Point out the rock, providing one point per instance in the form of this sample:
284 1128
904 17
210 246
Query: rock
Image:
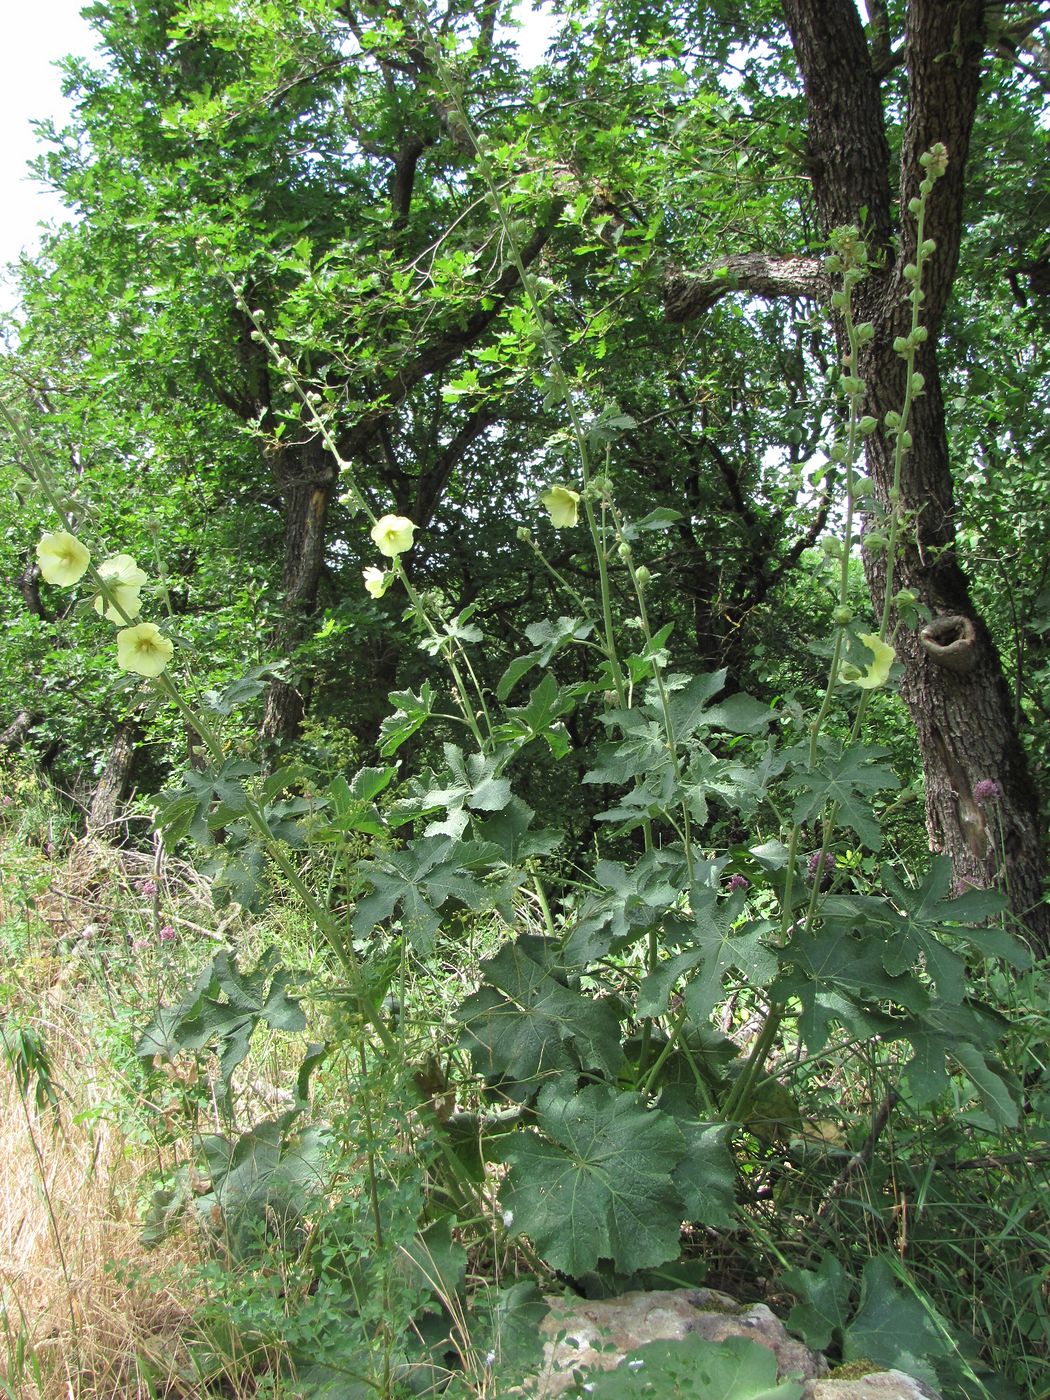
877 1385
579 1333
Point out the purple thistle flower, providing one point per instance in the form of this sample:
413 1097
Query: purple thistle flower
813 867
738 882
987 790
147 888
166 934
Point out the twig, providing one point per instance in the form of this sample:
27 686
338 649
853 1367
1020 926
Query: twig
861 1158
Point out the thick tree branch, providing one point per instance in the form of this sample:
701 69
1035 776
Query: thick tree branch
448 345
689 294
431 485
847 137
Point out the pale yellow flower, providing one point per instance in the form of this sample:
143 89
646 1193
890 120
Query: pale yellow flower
878 673
376 581
143 649
564 506
392 535
124 579
62 558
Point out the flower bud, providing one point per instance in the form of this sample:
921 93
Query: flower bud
867 425
642 578
842 616
831 546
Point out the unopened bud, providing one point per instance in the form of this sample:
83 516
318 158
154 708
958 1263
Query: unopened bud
842 616
642 578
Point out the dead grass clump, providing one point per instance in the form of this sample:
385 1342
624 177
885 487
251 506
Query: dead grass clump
86 1312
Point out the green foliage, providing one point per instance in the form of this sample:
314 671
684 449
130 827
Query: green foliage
736 1369
332 261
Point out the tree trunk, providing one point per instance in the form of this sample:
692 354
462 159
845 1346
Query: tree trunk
113 784
16 733
953 682
307 478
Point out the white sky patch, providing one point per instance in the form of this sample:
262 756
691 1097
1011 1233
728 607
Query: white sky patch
538 28
36 35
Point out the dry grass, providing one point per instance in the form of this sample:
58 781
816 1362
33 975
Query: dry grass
87 1312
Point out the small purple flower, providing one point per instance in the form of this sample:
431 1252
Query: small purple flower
147 888
167 934
813 867
6 801
987 790
738 882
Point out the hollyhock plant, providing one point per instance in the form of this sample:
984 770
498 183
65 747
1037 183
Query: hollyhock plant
376 581
63 560
143 649
563 505
392 535
878 672
123 579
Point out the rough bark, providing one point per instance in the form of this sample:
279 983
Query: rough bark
963 718
307 477
113 784
688 294
961 708
16 733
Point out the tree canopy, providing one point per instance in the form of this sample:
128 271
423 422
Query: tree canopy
282 220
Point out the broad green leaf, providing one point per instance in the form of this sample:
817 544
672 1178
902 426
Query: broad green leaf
999 1096
411 714
706 1176
715 945
420 879
939 1033
825 1292
734 1369
526 1025
894 1327
597 1184
848 779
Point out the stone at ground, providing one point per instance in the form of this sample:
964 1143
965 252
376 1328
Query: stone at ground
580 1333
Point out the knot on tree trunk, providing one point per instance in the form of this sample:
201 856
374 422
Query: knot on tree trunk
951 642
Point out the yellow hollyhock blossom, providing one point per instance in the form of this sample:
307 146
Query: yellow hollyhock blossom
392 535
125 579
564 506
376 581
62 558
143 649
878 673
